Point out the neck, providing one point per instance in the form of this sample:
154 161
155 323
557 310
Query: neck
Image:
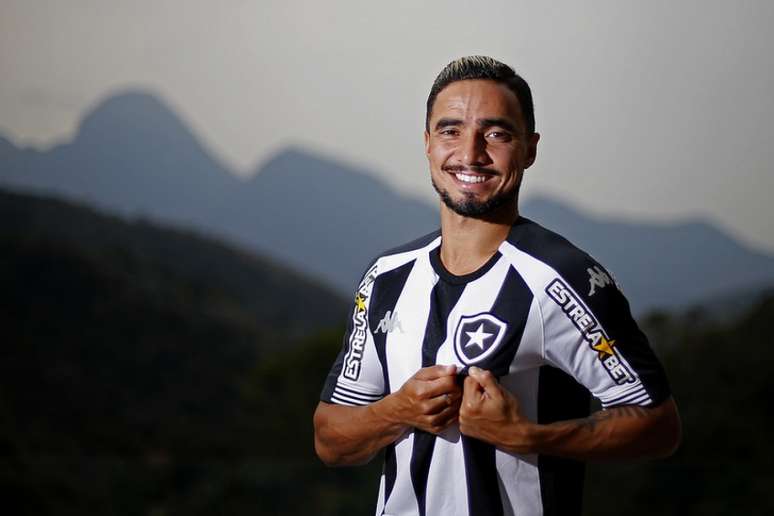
468 243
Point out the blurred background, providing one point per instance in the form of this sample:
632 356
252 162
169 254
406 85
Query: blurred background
189 192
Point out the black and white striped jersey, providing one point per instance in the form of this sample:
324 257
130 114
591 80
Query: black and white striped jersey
542 315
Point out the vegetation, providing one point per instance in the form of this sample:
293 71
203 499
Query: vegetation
134 381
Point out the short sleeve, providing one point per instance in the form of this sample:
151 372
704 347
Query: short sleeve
356 377
589 332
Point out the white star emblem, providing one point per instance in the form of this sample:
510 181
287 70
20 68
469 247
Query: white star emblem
477 337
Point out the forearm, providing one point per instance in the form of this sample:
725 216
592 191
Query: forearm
628 432
353 435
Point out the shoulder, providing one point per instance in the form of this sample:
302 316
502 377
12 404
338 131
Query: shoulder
572 278
408 252
415 245
550 248
396 257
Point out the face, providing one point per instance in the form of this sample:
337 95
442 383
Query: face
478 147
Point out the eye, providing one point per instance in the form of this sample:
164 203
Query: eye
498 135
449 131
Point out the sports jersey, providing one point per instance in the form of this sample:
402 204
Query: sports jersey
547 320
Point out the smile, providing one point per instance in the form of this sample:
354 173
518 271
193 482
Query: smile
470 179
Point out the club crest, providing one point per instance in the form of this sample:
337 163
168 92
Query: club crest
477 337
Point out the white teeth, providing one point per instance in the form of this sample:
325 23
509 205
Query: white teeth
470 179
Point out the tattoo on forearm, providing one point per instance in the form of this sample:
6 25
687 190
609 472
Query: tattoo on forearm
632 411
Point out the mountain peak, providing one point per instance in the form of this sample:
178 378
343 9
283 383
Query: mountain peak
131 114
6 147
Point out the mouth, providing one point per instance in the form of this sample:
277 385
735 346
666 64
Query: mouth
470 178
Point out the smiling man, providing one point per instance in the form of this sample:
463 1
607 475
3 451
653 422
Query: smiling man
472 352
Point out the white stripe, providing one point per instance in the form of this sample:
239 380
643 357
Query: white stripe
357 394
641 399
447 489
341 401
351 399
380 499
404 359
402 499
625 398
393 261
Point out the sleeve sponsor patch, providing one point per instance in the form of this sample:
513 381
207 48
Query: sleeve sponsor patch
357 339
588 326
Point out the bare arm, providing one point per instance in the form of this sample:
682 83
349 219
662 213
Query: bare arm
353 435
492 414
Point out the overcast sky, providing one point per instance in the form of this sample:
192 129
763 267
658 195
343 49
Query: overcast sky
656 110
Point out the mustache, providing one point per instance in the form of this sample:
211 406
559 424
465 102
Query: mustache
472 168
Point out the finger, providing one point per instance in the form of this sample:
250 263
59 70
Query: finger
472 391
439 386
436 371
487 381
439 422
435 405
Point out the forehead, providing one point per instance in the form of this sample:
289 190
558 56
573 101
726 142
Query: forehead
470 100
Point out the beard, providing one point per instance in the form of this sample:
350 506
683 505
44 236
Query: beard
470 207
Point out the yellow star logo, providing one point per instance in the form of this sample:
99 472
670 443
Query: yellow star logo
360 302
604 346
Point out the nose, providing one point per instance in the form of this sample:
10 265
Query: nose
473 150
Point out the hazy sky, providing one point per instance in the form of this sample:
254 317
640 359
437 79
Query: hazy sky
654 110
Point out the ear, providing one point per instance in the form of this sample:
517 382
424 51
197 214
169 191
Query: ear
427 143
531 150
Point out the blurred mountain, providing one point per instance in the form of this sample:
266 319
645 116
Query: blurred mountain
220 280
132 154
667 266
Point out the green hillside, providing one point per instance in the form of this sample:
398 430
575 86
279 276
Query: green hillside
721 378
149 371
231 282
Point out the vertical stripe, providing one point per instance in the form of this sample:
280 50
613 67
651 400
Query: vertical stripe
390 472
442 299
519 476
403 350
481 472
385 294
511 305
384 297
560 398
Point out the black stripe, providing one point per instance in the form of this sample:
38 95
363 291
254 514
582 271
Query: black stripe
390 471
560 398
384 296
512 306
442 299
481 478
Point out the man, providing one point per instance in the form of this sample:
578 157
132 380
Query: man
471 352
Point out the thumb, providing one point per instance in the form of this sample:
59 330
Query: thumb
487 381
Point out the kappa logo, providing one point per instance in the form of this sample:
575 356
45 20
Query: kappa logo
389 323
582 318
477 337
357 339
597 279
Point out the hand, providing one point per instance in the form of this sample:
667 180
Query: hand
429 400
490 413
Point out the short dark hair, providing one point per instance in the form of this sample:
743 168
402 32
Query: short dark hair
483 67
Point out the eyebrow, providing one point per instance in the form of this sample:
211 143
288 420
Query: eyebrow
482 122
497 122
446 122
